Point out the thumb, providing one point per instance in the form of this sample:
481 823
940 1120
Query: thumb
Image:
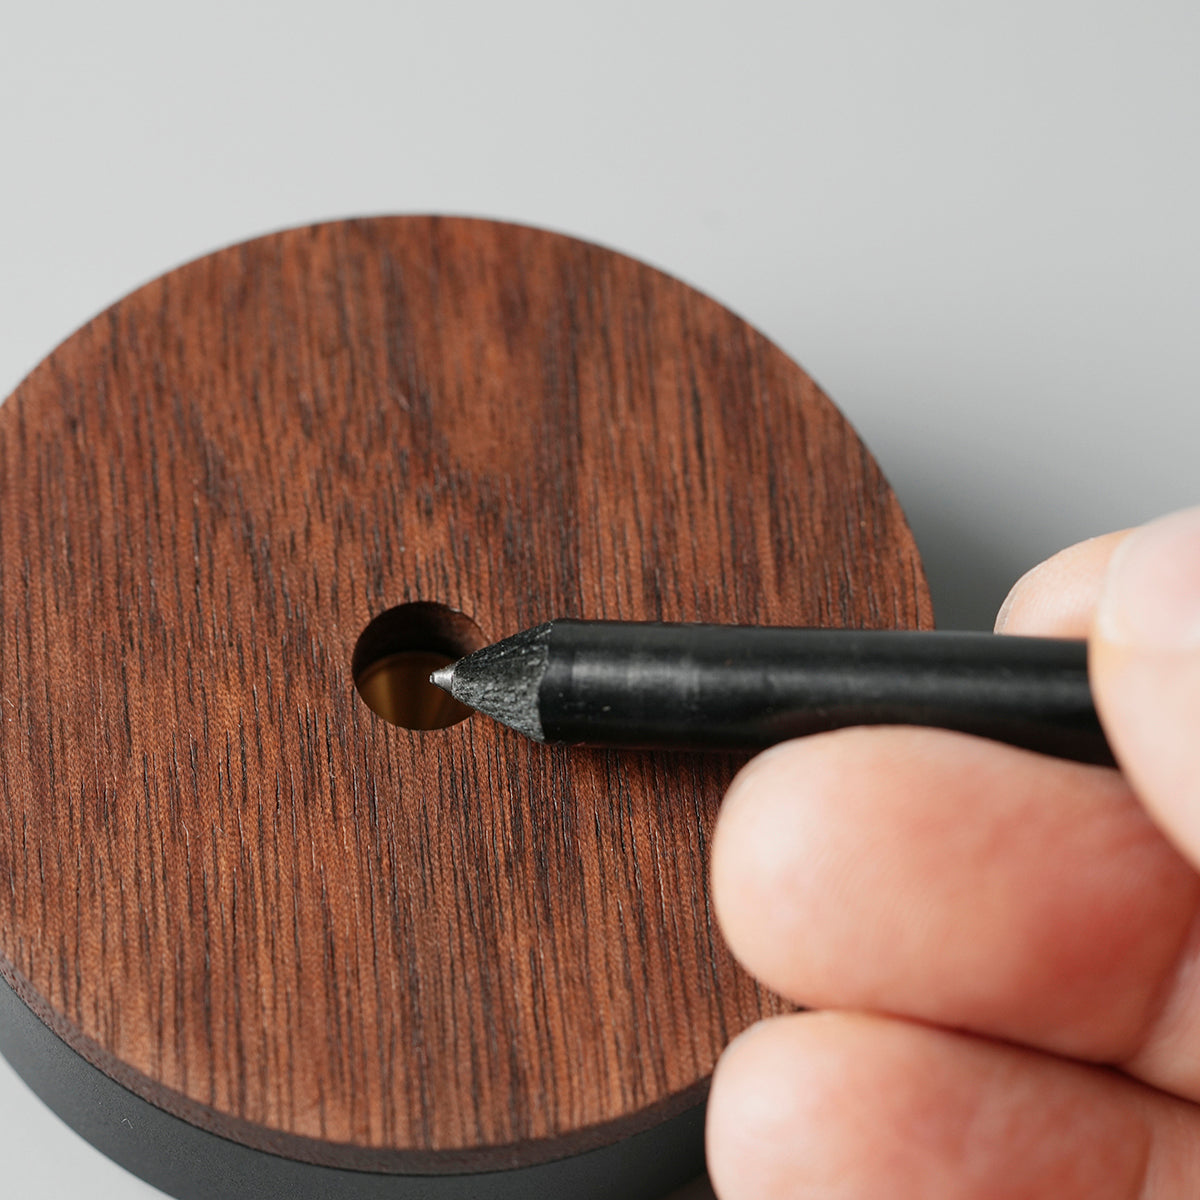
1144 660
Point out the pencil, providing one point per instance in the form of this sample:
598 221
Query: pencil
734 687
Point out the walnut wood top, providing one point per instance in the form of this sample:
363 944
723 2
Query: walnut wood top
223 879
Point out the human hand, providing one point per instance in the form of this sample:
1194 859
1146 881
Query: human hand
1005 947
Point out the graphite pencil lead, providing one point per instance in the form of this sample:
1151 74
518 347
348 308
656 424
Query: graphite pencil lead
443 677
502 680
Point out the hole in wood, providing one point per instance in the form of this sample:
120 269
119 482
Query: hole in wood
398 651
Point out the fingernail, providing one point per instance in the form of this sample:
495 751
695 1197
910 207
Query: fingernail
1151 594
1009 601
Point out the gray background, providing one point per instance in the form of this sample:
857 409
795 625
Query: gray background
976 225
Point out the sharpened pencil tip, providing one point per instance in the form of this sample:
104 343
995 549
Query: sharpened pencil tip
443 677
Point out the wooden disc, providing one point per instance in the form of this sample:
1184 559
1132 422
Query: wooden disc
224 880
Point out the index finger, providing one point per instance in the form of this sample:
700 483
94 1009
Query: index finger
1058 598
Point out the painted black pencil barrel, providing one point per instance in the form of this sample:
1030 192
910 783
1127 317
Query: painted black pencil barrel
734 687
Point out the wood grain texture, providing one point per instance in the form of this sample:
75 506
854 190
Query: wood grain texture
223 879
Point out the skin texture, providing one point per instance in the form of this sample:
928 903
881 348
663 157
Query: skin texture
1005 948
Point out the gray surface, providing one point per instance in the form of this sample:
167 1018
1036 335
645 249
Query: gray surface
974 224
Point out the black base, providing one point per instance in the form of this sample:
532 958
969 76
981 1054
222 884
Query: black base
193 1164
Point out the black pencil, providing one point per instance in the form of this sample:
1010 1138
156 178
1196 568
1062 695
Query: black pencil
732 687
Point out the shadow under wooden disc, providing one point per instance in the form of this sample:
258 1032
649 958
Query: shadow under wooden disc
230 885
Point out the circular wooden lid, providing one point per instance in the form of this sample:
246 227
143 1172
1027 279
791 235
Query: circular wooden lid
229 884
